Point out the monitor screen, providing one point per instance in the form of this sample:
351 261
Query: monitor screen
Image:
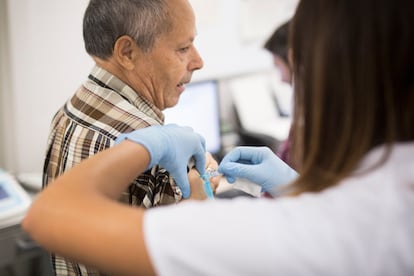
3 193
198 107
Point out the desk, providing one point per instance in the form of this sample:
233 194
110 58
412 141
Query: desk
20 256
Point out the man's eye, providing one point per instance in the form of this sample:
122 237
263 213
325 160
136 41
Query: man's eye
184 49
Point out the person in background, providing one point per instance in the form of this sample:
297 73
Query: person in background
347 212
144 56
278 45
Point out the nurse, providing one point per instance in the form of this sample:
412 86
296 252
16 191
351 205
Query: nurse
348 213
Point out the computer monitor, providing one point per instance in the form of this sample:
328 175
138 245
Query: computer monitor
198 107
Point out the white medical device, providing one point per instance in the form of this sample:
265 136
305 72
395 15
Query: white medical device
14 201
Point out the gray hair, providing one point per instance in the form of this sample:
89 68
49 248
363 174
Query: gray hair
107 20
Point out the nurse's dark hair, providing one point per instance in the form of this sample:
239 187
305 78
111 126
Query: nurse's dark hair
106 20
353 64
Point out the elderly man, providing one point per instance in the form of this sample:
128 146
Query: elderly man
144 55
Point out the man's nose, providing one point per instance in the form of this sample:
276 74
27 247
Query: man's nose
196 62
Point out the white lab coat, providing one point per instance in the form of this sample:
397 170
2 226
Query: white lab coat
363 226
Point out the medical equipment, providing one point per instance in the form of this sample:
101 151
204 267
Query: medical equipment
212 173
199 108
207 185
14 201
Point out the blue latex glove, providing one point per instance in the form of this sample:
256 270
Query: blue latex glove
256 164
171 147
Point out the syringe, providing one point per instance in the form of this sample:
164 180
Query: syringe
207 185
212 173
209 173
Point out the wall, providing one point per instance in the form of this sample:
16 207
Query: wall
48 63
6 117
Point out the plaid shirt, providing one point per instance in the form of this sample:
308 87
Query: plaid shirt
101 109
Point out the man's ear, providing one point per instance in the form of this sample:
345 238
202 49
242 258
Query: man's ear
126 52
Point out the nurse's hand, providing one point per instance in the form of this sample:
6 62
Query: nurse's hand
171 147
256 164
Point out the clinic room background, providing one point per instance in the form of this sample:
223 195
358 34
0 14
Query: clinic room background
43 61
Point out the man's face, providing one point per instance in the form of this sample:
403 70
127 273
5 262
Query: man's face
172 60
285 74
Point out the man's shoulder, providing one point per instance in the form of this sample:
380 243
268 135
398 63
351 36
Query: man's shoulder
89 111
